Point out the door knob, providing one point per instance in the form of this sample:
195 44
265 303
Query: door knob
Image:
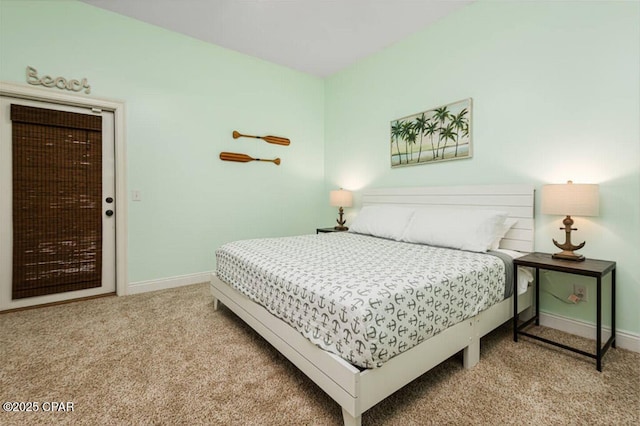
109 213
109 200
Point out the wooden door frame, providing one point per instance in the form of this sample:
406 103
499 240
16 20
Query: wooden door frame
117 107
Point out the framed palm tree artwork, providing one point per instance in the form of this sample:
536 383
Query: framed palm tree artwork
439 134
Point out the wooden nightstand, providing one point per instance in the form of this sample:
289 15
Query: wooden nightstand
323 230
590 268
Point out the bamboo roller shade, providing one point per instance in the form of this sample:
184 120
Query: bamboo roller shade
57 201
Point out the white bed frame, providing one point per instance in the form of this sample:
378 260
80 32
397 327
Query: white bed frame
356 391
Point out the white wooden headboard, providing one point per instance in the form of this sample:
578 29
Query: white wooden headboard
516 200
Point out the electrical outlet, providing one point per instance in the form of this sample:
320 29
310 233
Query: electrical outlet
580 290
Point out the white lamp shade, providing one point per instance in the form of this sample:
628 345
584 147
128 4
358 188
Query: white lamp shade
570 199
340 198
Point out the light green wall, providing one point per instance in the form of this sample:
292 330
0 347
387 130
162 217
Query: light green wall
555 88
183 99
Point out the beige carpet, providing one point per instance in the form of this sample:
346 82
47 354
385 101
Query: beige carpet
168 358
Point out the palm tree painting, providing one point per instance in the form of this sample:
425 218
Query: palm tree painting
439 134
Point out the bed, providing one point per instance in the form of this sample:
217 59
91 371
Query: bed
358 379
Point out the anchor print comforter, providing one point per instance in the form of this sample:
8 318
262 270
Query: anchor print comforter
363 298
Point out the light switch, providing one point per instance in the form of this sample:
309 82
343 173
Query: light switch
136 195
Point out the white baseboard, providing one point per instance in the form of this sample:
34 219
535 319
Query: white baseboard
171 282
624 339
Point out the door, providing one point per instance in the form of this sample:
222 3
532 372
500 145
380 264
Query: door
57 203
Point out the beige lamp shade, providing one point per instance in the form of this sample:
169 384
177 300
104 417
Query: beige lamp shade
570 199
340 198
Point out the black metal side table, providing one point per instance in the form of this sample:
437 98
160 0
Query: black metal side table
590 268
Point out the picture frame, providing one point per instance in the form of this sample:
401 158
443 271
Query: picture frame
432 136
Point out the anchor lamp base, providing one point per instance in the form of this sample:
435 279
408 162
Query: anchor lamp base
568 248
568 255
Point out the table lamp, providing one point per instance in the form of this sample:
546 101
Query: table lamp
340 198
570 199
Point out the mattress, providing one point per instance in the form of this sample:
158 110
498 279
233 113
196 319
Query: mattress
363 298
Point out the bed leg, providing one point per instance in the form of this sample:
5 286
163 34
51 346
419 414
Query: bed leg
215 304
471 354
349 420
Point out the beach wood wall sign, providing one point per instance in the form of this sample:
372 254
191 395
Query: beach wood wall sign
59 82
432 136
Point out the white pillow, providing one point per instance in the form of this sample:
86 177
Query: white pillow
525 273
384 221
464 229
508 224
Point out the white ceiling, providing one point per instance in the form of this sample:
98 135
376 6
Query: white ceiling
318 37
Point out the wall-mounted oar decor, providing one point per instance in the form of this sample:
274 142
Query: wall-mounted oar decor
271 139
244 158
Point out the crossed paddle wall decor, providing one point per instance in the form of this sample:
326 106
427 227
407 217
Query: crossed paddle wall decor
244 158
